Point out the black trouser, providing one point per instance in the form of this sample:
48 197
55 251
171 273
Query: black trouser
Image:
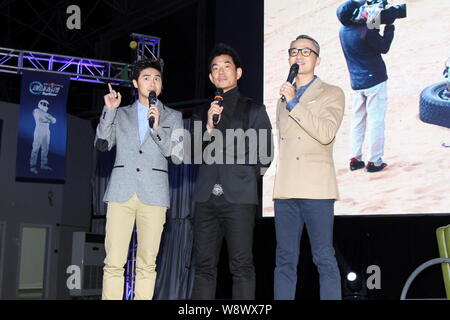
214 220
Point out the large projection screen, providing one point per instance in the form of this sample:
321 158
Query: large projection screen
417 179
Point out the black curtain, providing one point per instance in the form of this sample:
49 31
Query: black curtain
174 265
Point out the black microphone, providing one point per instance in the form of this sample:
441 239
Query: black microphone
152 100
292 74
218 97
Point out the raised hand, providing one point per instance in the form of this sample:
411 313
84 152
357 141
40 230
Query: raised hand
112 99
288 91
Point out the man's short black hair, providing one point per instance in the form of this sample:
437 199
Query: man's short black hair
222 48
315 43
143 64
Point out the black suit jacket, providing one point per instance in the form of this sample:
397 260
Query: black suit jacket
239 181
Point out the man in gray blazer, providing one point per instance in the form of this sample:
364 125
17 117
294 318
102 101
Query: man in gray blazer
138 189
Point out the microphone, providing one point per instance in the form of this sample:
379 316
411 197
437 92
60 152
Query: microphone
151 100
218 97
292 74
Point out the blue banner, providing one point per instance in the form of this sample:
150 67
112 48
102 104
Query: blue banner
41 145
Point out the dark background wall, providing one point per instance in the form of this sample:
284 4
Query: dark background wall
397 244
241 25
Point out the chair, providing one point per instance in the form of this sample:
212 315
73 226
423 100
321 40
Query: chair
443 239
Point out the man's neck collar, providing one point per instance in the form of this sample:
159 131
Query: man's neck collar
143 101
232 92
304 81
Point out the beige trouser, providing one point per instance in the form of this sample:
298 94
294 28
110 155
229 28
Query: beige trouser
120 221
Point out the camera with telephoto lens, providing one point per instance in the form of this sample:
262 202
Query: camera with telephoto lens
382 10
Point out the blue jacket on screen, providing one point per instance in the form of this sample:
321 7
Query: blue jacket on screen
363 48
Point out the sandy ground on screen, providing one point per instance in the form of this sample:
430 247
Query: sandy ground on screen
417 179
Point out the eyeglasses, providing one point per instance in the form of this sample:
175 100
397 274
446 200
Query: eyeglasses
306 52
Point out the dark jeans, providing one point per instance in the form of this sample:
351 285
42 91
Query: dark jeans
290 217
214 220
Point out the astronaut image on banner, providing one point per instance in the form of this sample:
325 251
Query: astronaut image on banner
41 136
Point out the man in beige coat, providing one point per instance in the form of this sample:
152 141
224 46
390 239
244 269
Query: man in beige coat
305 183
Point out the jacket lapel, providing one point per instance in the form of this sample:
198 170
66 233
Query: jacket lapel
312 92
131 112
147 135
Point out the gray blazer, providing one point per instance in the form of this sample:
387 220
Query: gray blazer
141 168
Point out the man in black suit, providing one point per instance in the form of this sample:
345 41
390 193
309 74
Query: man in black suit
234 151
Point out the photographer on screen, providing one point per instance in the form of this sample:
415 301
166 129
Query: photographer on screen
363 46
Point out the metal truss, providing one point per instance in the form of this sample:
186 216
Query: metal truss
147 46
78 69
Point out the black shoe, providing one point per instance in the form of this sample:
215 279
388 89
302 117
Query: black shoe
371 167
355 164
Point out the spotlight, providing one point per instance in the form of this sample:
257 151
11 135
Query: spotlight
351 276
354 288
133 45
352 281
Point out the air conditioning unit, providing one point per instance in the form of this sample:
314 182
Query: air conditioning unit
88 253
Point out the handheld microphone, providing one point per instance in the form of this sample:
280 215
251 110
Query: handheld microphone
292 74
152 100
218 97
